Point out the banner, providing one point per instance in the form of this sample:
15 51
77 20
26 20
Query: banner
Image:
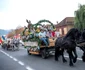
31 43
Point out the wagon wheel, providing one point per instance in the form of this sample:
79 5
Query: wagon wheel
28 52
44 53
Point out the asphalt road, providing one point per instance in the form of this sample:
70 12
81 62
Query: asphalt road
7 63
20 60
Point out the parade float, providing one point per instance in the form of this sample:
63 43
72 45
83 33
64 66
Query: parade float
32 42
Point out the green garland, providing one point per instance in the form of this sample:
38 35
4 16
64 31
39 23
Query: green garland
34 38
44 20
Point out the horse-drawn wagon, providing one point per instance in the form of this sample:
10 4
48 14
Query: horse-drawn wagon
68 43
35 45
11 44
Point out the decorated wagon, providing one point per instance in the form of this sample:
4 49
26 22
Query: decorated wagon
32 42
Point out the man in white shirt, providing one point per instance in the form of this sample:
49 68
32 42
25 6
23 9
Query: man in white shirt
42 36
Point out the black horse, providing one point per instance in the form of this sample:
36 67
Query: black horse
68 43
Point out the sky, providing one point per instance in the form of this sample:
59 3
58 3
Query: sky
13 13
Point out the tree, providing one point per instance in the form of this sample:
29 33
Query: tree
19 30
10 34
80 18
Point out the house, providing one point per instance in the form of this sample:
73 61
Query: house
65 25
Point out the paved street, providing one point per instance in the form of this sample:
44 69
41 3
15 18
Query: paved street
20 60
7 63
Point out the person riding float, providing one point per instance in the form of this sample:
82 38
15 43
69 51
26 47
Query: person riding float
42 37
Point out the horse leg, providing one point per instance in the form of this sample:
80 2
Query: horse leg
83 57
70 57
7 46
56 53
13 47
17 45
75 58
63 58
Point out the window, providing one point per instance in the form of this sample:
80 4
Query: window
65 30
60 31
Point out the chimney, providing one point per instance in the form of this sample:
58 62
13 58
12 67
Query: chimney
57 22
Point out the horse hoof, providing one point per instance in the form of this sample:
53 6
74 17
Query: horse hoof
64 61
74 60
83 58
56 59
71 64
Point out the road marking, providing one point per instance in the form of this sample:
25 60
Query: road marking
1 51
10 56
7 54
21 63
77 58
29 68
68 57
15 59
